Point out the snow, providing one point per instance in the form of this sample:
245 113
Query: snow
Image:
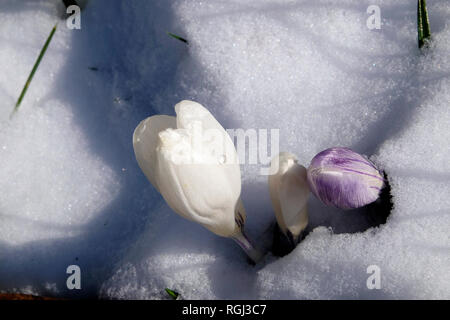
72 192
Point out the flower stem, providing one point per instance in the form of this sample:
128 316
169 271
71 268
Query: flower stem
244 242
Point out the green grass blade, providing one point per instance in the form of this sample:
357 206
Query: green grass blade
423 24
177 37
174 295
33 71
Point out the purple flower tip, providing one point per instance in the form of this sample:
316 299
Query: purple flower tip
343 178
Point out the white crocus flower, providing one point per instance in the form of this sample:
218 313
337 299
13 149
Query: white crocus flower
191 160
289 193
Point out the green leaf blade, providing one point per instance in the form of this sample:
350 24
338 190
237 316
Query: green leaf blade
173 294
177 37
33 71
423 23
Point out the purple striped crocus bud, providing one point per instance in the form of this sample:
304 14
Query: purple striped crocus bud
343 178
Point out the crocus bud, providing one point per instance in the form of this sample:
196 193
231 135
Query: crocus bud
343 178
191 160
289 193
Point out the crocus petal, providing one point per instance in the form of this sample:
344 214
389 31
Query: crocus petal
343 178
294 193
192 176
188 111
289 193
214 136
145 141
200 193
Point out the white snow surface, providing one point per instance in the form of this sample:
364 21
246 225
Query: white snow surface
71 191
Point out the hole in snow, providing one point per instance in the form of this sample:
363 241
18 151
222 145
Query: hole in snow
372 215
